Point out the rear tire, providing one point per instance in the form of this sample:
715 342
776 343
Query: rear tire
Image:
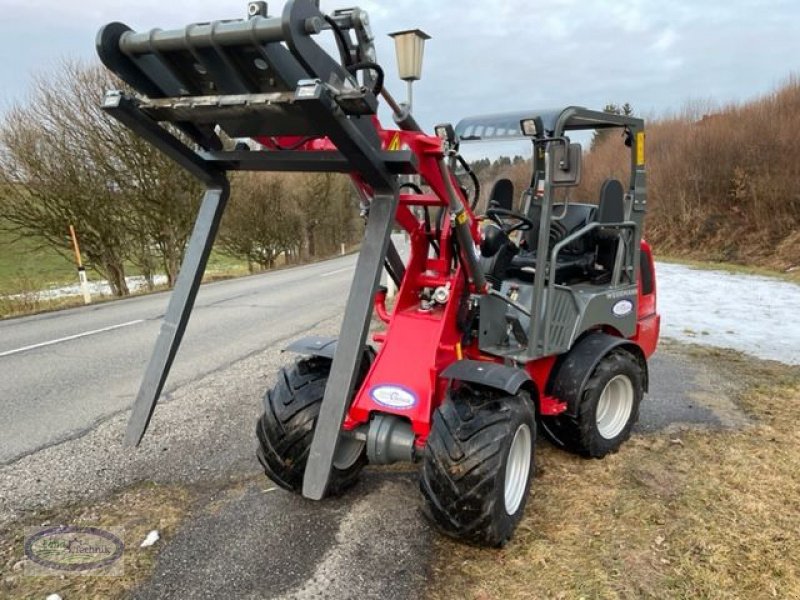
607 409
286 428
478 467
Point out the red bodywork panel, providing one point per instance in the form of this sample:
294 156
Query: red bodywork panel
649 321
418 345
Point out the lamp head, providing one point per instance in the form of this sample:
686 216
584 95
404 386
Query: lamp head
410 47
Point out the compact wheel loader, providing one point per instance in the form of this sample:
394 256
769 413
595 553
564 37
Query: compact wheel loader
537 316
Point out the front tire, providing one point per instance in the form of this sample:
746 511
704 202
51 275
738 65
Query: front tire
607 409
286 428
478 467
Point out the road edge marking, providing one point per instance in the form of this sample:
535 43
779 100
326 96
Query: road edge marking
337 271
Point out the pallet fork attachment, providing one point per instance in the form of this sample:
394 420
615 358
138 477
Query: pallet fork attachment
238 76
350 347
180 307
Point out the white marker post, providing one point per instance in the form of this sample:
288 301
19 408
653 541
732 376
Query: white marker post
391 288
87 297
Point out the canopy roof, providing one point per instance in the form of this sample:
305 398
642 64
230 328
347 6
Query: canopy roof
506 126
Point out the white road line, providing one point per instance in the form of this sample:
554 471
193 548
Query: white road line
70 337
329 273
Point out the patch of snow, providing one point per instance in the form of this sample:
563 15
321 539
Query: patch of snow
151 539
96 288
756 315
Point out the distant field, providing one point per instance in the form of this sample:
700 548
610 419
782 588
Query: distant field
29 264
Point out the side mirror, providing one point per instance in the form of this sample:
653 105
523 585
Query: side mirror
565 163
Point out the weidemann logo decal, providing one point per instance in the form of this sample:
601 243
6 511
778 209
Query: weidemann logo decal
623 308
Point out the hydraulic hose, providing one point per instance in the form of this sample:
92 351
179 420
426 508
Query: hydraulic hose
341 41
475 183
463 233
371 66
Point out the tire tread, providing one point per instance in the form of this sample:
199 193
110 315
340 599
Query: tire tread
286 427
464 463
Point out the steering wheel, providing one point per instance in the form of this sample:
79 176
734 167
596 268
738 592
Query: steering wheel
501 216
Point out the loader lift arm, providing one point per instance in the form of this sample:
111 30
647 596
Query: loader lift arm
267 79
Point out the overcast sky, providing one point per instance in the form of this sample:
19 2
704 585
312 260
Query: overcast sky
485 56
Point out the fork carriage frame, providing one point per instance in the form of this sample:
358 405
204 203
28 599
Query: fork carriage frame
176 72
267 79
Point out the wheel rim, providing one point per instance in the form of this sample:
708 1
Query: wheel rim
614 407
518 468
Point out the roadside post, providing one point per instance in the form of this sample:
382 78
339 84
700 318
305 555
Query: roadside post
87 297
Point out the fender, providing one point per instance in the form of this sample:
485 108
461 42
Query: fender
489 374
572 370
314 345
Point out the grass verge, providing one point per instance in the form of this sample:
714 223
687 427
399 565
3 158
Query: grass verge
708 514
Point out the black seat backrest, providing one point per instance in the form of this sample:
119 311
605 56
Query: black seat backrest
502 195
611 208
576 217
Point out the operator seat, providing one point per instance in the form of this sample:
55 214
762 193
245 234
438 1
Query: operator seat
610 210
495 263
502 194
577 215
575 259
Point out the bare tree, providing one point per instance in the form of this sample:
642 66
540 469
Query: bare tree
328 211
261 221
164 201
57 174
65 161
342 222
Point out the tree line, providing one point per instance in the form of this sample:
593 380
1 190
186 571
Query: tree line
722 182
64 162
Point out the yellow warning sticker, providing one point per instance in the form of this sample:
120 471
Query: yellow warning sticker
640 149
462 218
394 145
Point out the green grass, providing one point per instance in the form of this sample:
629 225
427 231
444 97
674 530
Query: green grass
28 262
223 265
28 265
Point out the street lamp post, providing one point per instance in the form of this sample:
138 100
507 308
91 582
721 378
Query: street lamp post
410 47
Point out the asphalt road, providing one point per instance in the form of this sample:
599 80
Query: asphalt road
62 373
